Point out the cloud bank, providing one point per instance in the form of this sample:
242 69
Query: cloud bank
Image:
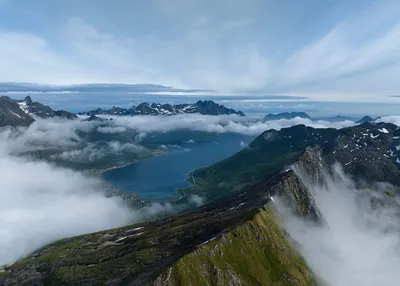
359 244
40 203
215 124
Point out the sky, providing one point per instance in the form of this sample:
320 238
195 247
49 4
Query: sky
331 50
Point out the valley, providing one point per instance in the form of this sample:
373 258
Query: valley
157 178
201 206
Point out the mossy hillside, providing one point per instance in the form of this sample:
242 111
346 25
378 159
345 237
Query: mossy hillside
255 253
138 254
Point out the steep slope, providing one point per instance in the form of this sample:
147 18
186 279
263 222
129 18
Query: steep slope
206 107
267 154
256 252
238 228
11 114
354 147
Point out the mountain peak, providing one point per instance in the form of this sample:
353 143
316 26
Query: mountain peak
11 114
28 100
365 119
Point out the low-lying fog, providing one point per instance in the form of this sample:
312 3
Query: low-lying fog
360 242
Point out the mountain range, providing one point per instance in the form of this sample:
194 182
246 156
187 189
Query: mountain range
23 112
10 111
206 107
286 115
235 239
304 115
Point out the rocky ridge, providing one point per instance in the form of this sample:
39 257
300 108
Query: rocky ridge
242 226
23 112
43 111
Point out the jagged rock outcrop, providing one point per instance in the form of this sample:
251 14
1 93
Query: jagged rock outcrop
310 167
43 111
11 114
206 107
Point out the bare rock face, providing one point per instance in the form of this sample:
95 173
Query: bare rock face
310 167
298 197
43 111
11 114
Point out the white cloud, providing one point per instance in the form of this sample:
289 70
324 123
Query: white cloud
40 203
196 200
390 119
111 129
358 245
94 152
216 124
40 64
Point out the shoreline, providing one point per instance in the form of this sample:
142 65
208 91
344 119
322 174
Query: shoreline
111 190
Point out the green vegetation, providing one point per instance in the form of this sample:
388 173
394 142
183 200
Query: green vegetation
255 253
263 158
269 153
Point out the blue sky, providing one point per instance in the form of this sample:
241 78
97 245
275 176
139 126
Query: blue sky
329 50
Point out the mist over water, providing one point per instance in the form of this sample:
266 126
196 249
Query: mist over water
359 243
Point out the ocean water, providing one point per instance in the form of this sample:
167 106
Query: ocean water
157 178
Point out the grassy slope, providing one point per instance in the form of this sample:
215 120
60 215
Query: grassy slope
252 245
268 153
255 253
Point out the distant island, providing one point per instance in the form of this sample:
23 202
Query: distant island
23 112
337 118
206 107
286 115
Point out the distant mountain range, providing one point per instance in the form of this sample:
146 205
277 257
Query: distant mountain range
93 87
337 118
23 112
286 115
206 107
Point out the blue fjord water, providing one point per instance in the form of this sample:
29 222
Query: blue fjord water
157 178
